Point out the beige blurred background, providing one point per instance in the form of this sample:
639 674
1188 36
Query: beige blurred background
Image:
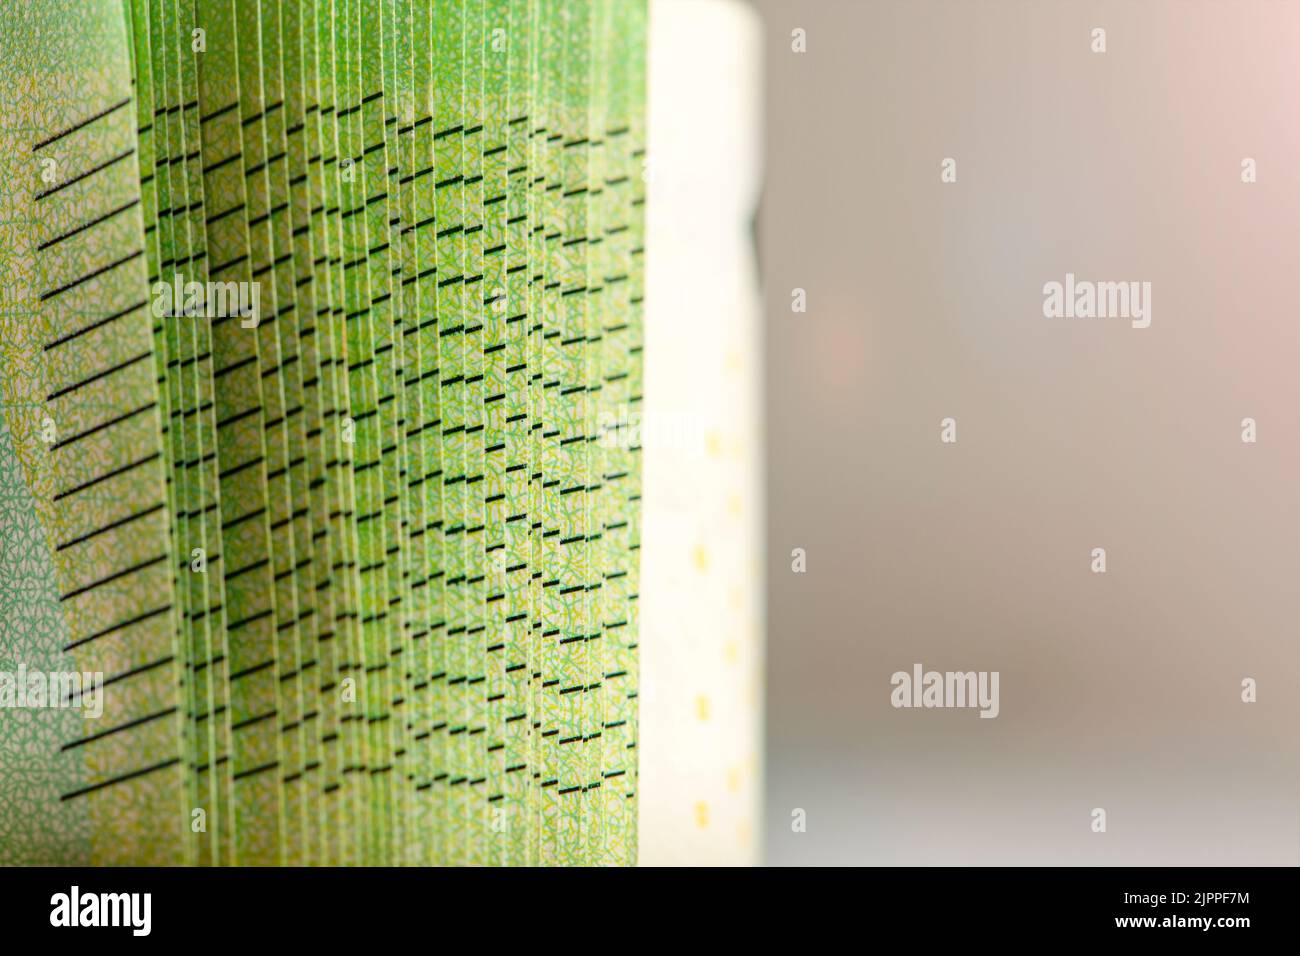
1121 690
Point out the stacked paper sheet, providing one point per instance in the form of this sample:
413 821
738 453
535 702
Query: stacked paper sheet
319 341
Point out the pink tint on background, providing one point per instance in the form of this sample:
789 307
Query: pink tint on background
925 301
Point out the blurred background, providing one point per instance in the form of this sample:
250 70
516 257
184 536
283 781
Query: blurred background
1120 690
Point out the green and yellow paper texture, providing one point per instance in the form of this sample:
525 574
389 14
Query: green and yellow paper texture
359 564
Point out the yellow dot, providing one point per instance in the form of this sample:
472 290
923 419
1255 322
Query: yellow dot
701 814
742 833
735 597
734 506
701 556
713 442
732 652
702 707
733 779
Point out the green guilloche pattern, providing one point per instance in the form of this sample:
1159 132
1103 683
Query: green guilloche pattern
320 332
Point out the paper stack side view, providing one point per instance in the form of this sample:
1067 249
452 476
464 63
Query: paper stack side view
320 327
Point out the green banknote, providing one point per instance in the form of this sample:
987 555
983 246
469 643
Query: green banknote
318 537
